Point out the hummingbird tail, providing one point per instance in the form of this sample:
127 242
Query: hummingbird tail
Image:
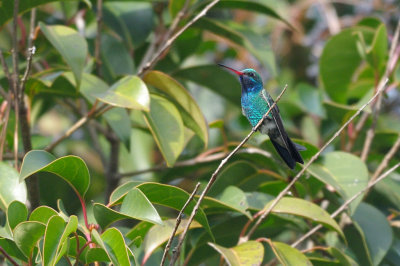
290 156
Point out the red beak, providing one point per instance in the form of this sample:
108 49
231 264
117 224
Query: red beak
240 73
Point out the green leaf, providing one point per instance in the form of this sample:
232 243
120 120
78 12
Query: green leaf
16 213
191 113
74 246
310 130
162 194
311 98
177 5
55 238
234 196
289 256
345 172
376 231
232 174
378 51
96 254
249 253
339 112
215 78
135 205
306 209
339 62
70 44
253 7
166 126
10 187
115 56
27 234
70 168
159 234
42 214
113 243
11 248
129 92
117 118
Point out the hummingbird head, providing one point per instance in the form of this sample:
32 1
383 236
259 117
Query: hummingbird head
249 79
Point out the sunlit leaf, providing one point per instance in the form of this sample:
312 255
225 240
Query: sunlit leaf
70 44
71 168
10 187
166 126
289 256
246 254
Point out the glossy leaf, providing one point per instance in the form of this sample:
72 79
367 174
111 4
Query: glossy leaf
289 256
12 249
70 44
159 234
345 172
117 118
113 243
16 213
306 209
234 196
10 187
71 168
129 92
96 254
135 205
376 231
340 60
249 253
166 126
215 78
191 113
162 194
27 234
311 99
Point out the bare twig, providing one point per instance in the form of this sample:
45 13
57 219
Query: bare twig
32 28
178 222
386 159
288 187
346 204
5 254
215 174
99 20
357 130
31 52
376 108
169 42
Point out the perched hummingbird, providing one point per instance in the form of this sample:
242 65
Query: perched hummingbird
255 103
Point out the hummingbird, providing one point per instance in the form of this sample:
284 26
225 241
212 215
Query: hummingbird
255 103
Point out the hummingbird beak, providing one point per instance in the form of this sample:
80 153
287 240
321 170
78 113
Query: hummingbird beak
240 73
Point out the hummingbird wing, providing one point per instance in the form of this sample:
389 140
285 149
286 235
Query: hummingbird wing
282 143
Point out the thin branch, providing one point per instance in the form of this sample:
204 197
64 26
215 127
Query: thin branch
99 20
31 52
215 174
169 42
377 107
5 254
178 222
357 130
288 187
32 28
386 159
346 204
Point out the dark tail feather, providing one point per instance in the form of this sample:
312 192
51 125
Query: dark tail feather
284 153
294 150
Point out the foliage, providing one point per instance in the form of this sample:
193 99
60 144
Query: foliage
117 136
